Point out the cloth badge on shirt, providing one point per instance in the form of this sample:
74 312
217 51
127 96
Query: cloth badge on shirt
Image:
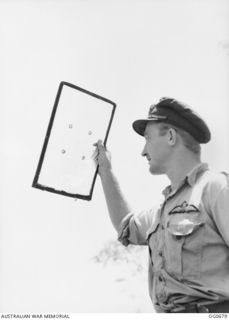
184 219
184 208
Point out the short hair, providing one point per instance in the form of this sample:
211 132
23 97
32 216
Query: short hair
188 141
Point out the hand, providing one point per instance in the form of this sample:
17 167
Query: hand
102 157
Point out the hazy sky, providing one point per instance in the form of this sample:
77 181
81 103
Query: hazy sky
132 52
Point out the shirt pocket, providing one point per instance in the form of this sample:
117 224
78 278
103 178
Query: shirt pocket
183 245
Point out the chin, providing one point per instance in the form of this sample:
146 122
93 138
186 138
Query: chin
155 170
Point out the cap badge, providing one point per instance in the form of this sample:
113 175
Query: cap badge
153 110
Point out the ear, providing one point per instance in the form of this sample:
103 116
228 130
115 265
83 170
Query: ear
172 136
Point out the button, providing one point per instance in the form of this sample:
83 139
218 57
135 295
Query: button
161 296
160 278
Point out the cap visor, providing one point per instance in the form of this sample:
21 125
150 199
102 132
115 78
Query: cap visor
140 125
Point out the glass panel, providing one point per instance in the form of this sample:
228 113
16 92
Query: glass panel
81 119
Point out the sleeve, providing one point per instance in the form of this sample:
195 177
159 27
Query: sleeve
220 206
221 213
134 227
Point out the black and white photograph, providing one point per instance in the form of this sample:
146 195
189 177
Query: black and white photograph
114 185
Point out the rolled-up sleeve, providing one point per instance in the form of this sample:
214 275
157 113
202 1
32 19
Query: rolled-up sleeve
217 198
221 213
134 227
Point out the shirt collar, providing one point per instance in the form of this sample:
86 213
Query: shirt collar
190 178
194 173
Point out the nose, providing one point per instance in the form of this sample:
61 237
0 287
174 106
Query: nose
144 151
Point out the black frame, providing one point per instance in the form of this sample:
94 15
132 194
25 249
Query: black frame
35 183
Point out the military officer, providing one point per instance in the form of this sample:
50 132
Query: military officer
187 235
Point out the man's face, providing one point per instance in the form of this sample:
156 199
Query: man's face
156 149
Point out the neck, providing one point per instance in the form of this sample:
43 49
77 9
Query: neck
180 167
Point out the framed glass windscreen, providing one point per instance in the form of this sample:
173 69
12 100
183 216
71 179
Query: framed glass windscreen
78 120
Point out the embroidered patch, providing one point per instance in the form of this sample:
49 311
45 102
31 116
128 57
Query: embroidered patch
184 208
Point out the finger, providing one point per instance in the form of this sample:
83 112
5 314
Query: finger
95 154
101 146
99 143
95 158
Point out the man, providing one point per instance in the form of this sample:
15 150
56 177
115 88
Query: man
187 236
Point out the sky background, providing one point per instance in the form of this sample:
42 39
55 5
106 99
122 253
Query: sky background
132 52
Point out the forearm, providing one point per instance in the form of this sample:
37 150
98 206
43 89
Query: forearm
117 205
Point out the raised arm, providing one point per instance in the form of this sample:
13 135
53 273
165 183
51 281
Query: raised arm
116 203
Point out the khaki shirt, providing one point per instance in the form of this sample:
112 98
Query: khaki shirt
188 239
